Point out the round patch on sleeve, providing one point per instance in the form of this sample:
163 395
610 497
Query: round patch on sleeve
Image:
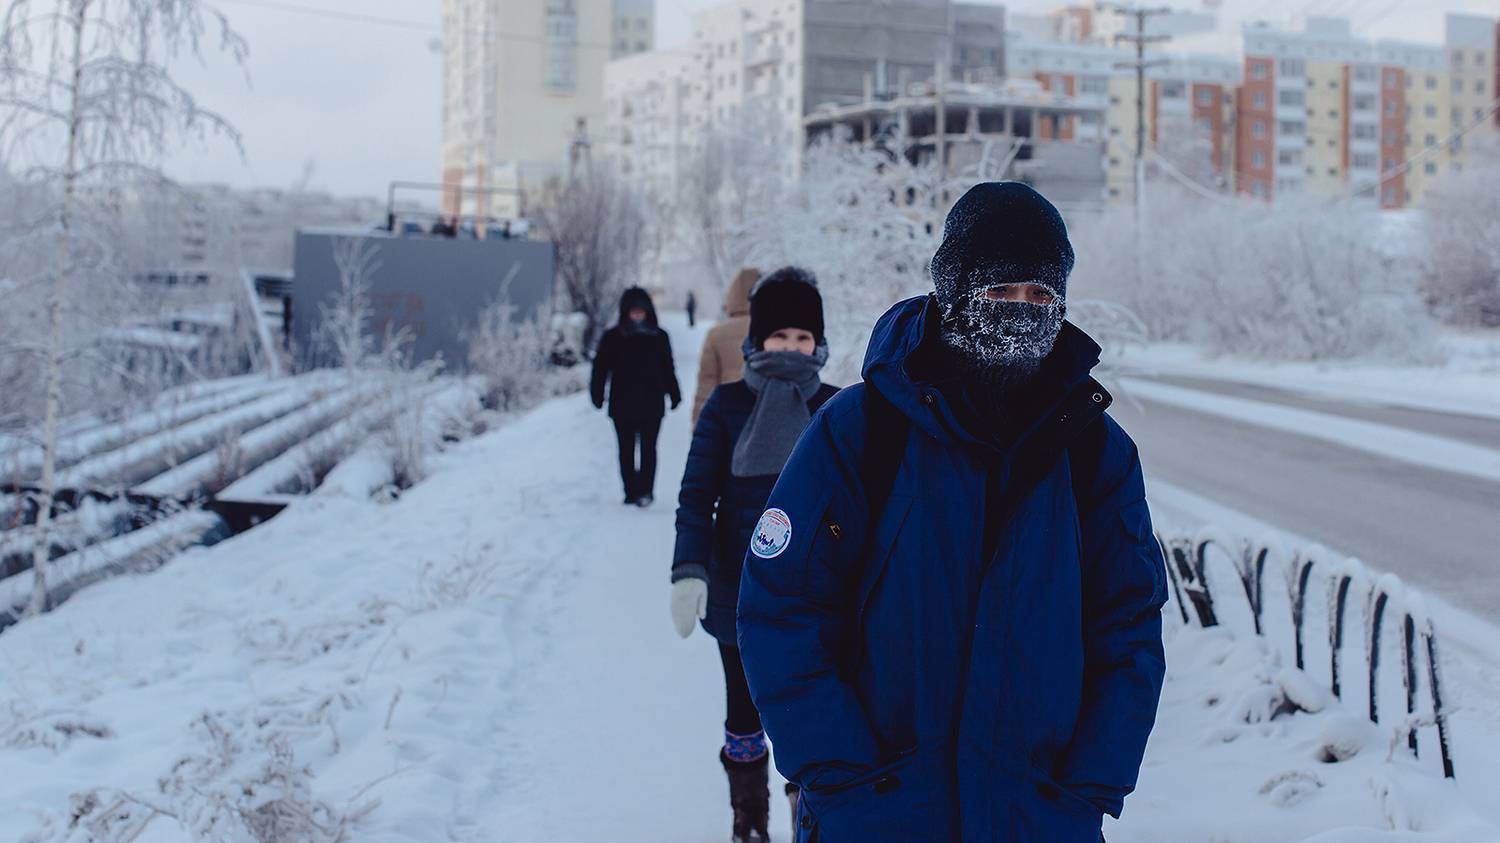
772 534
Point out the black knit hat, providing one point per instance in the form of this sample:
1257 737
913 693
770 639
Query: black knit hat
787 298
1007 232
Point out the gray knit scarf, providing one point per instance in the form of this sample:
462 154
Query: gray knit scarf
783 383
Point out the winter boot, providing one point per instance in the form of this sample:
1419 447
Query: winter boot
750 796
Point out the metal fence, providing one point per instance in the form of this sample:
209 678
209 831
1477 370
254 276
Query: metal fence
1190 568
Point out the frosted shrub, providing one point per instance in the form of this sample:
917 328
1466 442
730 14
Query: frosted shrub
1300 280
1463 234
511 355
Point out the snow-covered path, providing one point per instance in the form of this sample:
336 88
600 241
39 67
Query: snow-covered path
619 730
490 659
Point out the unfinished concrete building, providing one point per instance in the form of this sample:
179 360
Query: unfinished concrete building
979 131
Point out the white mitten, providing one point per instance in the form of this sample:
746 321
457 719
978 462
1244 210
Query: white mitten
689 604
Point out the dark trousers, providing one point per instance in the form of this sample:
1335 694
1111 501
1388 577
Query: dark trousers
639 478
742 718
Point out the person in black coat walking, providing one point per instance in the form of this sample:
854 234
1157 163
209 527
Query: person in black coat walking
635 359
742 439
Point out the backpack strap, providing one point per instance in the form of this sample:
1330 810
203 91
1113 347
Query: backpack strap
887 430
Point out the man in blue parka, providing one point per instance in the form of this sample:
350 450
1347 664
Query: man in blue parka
964 645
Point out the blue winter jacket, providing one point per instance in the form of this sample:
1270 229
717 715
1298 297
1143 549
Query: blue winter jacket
919 692
717 511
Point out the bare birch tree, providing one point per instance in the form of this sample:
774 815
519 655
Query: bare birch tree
88 103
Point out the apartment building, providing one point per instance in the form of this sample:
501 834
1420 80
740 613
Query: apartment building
524 88
1473 52
1188 108
1325 111
762 66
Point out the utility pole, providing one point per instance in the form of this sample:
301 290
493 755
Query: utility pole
580 149
1140 39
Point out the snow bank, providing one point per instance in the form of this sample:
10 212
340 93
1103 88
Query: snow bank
1468 384
1238 757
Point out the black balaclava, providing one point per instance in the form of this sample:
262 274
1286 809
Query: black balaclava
1001 233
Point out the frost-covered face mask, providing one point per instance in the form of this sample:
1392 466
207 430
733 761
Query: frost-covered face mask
1002 328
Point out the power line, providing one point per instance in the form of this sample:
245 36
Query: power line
1406 166
335 14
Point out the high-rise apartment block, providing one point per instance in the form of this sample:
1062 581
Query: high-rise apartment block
524 90
1266 110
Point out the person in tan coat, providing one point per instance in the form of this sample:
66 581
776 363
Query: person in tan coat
723 358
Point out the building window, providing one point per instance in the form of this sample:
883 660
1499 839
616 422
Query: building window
1258 159
1259 70
1258 129
1364 161
1205 96
1478 86
1290 67
1429 111
1390 164
1333 84
1458 86
1259 189
1364 102
1333 171
1390 195
1430 168
1392 79
1288 157
1429 140
1094 85
1390 137
1259 99
1332 115
1291 98
1171 90
1364 73
1432 83
560 46
1291 127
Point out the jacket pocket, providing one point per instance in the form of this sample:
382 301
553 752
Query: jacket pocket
1045 809
896 802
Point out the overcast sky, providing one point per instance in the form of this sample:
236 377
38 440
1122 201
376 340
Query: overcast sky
359 100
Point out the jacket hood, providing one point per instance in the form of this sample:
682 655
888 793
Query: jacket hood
904 342
737 298
634 297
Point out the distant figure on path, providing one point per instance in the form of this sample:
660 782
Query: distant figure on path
635 359
740 443
722 359
692 308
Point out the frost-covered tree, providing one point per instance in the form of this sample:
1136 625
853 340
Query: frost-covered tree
865 222
598 222
1463 235
1301 280
88 107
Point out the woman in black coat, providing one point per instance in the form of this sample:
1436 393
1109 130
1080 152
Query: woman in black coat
743 438
635 359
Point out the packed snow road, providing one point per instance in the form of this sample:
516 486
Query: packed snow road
1436 528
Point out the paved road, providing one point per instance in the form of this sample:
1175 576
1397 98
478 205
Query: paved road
1438 530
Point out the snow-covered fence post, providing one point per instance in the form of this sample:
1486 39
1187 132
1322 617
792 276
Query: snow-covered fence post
1172 575
1409 661
1189 561
1339 600
1438 714
1376 619
1251 567
1300 572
